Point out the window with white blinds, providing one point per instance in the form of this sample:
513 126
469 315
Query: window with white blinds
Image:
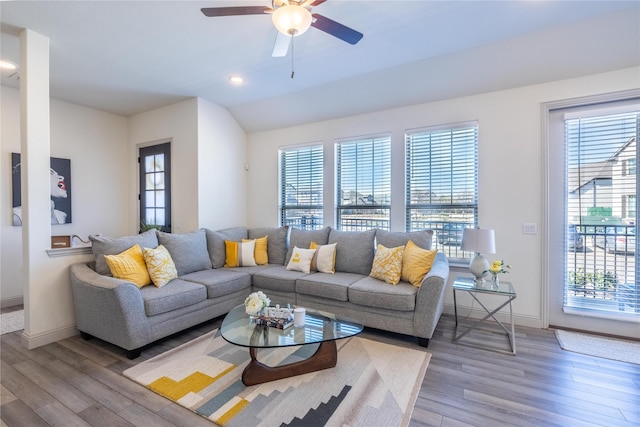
363 183
601 216
301 183
442 183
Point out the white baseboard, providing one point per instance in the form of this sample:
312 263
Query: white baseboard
12 301
34 341
503 315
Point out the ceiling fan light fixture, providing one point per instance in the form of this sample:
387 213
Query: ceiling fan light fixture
236 80
292 19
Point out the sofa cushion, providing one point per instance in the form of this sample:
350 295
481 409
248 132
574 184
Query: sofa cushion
161 268
173 296
129 265
332 286
215 243
372 292
276 278
392 239
102 246
221 281
276 242
188 250
416 263
303 239
387 264
354 250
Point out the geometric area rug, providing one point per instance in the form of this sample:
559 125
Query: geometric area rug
373 384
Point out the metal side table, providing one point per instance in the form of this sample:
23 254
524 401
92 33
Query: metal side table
505 289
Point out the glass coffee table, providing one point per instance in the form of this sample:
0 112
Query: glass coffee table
320 327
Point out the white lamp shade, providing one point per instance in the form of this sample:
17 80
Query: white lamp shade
291 19
478 240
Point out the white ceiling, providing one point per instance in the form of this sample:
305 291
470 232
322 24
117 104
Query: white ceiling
128 57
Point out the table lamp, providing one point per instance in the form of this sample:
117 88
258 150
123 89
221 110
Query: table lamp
480 241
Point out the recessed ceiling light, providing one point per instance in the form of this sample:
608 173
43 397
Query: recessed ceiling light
236 80
8 65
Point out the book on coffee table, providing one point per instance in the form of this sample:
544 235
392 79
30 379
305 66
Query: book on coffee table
274 322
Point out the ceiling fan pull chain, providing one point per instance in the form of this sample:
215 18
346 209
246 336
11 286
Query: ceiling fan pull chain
292 72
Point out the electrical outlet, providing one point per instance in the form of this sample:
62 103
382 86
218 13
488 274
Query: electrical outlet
529 228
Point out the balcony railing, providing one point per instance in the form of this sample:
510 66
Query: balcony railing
601 268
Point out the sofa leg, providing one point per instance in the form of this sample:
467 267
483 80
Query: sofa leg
134 354
423 342
85 336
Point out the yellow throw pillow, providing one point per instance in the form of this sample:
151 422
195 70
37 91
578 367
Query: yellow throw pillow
260 252
416 263
301 260
387 264
324 260
161 268
240 254
129 265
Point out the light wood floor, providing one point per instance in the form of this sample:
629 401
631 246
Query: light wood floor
78 383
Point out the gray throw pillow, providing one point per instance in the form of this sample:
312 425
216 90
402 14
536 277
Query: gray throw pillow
355 250
303 238
215 243
393 239
276 242
188 250
102 246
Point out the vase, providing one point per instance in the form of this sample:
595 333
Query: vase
495 281
252 314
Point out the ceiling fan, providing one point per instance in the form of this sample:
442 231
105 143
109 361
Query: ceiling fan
291 18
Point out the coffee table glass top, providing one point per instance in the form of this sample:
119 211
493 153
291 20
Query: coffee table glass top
239 329
469 284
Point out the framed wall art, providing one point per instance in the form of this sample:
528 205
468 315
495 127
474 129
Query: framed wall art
60 189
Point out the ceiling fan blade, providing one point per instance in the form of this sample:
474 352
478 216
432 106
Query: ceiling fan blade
236 10
312 3
281 46
336 29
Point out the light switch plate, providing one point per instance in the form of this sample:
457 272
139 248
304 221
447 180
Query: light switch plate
529 228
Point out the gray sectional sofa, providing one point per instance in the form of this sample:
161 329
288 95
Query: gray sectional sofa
119 312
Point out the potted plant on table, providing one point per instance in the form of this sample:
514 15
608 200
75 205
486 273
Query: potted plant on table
498 267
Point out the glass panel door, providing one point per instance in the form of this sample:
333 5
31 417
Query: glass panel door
155 188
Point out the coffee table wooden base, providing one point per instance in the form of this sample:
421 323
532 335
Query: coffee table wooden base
325 357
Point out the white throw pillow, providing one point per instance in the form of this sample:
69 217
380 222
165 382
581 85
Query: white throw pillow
301 260
324 259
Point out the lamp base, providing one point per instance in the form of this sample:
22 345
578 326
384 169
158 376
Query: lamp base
478 265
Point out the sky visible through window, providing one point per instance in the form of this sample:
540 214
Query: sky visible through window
591 134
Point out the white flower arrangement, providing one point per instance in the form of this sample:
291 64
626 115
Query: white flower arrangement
256 302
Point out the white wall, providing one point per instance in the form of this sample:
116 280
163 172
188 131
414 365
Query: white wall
95 142
511 175
222 178
178 124
208 154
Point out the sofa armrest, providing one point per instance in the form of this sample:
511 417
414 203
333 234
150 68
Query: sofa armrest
430 298
108 308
